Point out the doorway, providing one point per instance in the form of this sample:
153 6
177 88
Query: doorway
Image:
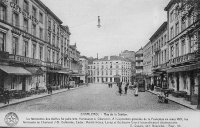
24 83
177 81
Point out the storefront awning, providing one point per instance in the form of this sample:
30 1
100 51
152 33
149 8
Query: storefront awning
14 70
35 71
64 72
184 68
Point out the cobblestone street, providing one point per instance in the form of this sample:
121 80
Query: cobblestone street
95 97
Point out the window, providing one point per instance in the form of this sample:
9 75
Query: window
34 50
172 33
53 40
172 51
58 30
15 46
183 47
34 12
25 25
41 52
49 54
41 17
177 49
15 19
34 29
49 24
2 41
106 72
57 57
26 8
53 56
25 49
165 56
183 25
177 29
117 72
41 33
110 72
49 37
165 39
2 12
54 27
57 41
171 16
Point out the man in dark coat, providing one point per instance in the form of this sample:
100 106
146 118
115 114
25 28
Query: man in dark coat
6 96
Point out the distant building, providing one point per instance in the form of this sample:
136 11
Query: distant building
128 54
160 56
139 61
84 69
147 63
105 69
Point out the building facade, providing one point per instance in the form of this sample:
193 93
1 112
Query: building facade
147 63
160 56
105 69
139 61
183 45
84 69
32 46
130 55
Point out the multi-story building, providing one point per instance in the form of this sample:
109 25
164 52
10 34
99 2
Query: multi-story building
147 63
130 55
75 65
183 30
30 45
107 68
84 69
160 56
139 61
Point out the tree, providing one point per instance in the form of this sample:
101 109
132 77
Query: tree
192 8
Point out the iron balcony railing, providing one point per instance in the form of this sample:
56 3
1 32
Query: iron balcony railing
182 59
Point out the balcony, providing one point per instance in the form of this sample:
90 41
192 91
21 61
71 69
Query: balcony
138 67
24 60
138 61
156 50
190 57
53 65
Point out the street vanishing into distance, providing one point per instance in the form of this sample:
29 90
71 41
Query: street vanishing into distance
95 97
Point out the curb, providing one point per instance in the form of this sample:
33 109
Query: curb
176 102
40 97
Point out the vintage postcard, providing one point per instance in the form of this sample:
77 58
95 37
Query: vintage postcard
100 63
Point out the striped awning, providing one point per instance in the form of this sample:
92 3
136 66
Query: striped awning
14 70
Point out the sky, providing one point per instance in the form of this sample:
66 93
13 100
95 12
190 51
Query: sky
126 24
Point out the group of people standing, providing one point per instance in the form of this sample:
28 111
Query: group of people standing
126 86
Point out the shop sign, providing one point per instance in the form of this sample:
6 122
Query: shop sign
20 32
25 60
18 9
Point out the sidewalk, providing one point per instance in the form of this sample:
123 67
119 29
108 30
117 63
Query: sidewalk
180 101
37 96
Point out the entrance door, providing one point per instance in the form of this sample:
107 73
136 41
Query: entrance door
24 83
1 80
177 81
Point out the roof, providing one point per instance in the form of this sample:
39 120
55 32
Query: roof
169 4
84 57
49 10
159 30
113 58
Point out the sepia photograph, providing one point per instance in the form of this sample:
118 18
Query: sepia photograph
100 63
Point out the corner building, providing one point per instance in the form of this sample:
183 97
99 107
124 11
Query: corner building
29 45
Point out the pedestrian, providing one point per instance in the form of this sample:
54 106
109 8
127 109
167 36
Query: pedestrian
136 88
120 88
6 96
126 88
50 89
111 85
